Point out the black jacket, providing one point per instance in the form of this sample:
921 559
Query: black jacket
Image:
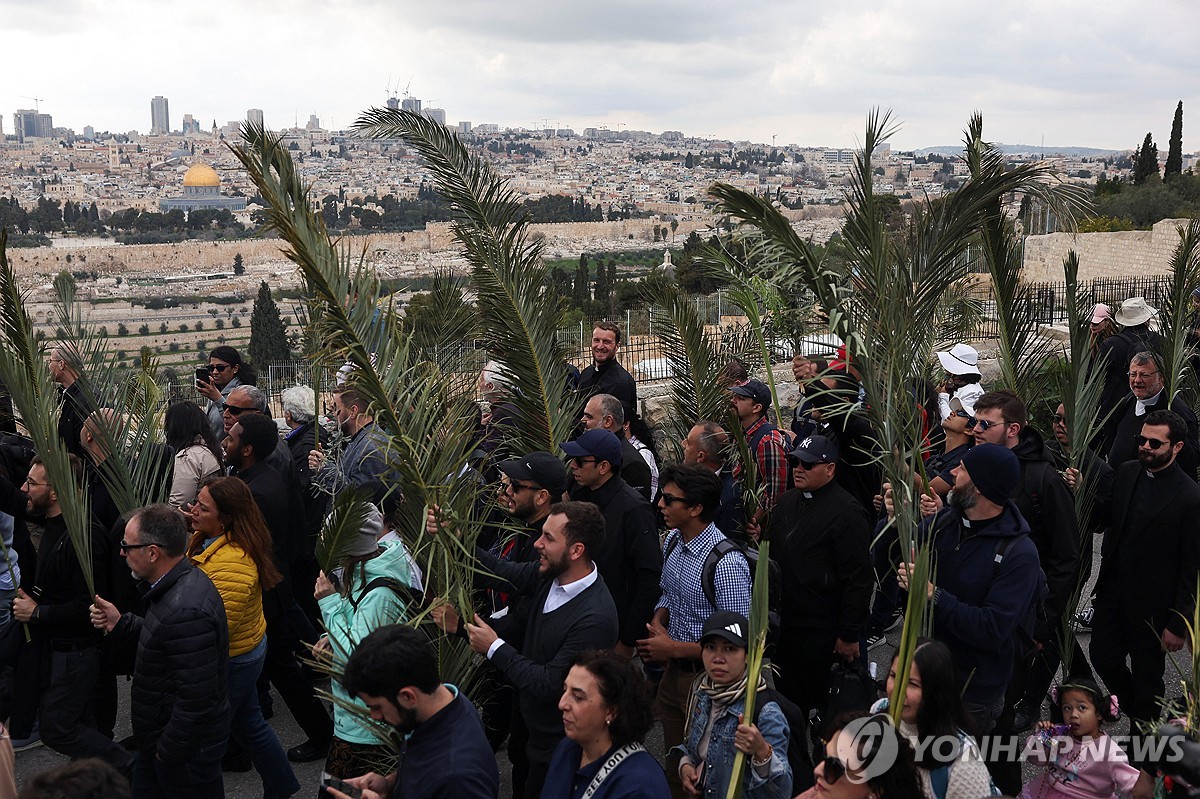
1048 507
610 378
180 697
550 642
300 442
630 560
60 588
1119 350
1125 424
1151 551
821 541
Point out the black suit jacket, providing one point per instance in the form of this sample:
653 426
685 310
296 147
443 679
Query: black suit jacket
1150 557
1123 425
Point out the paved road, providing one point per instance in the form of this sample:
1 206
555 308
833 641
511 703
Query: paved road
248 786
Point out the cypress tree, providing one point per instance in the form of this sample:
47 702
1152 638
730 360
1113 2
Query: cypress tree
1174 165
268 337
1145 161
581 293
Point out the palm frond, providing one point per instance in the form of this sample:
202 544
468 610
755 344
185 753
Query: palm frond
759 626
341 527
518 315
694 357
1176 312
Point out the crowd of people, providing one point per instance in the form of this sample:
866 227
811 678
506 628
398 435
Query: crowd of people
613 592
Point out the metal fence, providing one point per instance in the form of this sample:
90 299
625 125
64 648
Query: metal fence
1050 300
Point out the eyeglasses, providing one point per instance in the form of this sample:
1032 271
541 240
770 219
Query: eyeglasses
669 499
126 547
832 769
1058 418
982 424
218 367
515 488
1153 443
1141 375
234 410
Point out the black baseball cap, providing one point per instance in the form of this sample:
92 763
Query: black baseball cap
733 627
539 467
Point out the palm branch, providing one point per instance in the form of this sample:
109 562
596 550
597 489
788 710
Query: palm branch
759 625
1177 309
23 371
518 315
695 357
341 527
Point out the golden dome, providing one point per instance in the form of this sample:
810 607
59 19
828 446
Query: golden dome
201 175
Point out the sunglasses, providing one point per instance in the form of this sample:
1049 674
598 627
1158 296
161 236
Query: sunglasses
1058 418
126 547
234 410
805 465
1152 443
581 461
962 414
669 499
516 488
982 424
832 769
218 367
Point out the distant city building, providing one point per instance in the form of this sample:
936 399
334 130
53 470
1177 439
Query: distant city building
313 122
191 125
255 116
393 103
464 127
30 124
89 132
438 115
201 190
411 104
160 117
487 127
671 135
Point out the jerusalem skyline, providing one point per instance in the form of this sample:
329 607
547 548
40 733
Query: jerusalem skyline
1052 72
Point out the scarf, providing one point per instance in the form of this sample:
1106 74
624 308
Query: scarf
722 695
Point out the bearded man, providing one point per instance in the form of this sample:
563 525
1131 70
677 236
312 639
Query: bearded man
1147 580
988 577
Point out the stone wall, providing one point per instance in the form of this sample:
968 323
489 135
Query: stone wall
1129 253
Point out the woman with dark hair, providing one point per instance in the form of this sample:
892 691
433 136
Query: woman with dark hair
873 763
933 712
642 439
606 706
717 728
226 371
197 456
231 544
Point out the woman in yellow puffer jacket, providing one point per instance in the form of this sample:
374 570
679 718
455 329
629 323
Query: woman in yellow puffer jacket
231 544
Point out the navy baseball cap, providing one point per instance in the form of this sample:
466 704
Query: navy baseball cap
815 449
539 467
756 390
599 444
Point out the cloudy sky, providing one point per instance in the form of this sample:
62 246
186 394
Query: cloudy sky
1063 72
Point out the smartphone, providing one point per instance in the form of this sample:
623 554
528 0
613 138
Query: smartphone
202 374
343 786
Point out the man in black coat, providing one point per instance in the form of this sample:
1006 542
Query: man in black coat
606 375
246 447
1115 351
180 702
605 412
821 539
630 560
1150 556
571 612
1147 394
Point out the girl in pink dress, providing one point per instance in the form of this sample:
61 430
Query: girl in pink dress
1081 761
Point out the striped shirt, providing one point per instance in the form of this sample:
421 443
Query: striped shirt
683 588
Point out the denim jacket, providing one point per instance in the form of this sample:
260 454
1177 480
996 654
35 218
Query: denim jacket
774 728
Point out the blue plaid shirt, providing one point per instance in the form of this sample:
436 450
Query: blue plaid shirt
683 587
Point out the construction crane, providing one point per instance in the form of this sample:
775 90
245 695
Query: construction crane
36 102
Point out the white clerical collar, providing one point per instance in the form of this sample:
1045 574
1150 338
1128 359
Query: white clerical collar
1142 404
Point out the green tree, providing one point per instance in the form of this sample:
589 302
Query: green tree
1174 166
238 267
580 293
268 338
1145 161
689 161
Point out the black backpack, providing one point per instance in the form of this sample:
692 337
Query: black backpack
708 577
798 756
